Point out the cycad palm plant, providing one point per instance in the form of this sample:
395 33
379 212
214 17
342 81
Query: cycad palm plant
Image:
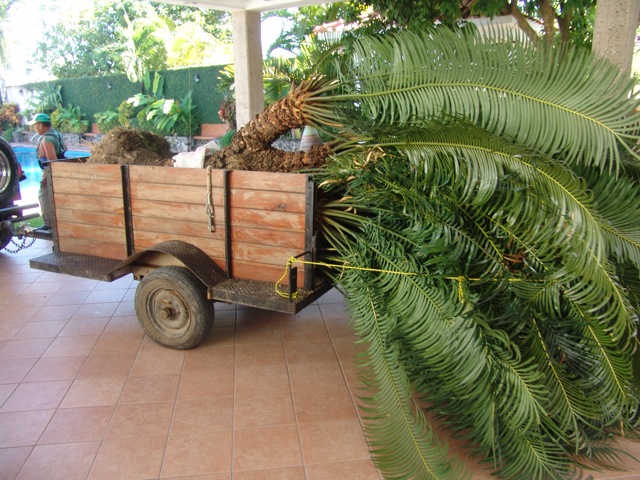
483 207
482 213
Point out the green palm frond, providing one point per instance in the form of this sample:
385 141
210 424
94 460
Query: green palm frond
559 102
485 199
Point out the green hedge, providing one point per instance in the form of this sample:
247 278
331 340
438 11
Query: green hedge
97 94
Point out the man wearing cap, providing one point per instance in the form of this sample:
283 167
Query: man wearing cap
50 147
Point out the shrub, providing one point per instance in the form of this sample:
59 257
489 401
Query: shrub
69 119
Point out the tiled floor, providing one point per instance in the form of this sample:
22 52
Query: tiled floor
85 395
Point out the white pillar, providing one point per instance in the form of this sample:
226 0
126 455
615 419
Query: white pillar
614 31
247 54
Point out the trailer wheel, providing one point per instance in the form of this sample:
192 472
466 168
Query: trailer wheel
172 307
8 173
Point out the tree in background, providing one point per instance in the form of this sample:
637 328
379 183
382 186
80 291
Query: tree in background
122 36
561 20
565 21
5 5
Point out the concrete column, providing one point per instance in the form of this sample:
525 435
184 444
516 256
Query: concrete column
614 31
247 54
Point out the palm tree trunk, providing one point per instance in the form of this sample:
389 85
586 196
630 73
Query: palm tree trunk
251 149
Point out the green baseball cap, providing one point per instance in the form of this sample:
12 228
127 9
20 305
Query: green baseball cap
40 117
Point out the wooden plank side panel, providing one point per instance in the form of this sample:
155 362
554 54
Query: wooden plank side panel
99 219
91 232
283 221
85 203
194 194
89 187
91 171
240 198
259 236
277 182
172 176
115 251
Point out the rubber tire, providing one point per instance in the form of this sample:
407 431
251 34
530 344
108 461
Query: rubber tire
9 180
5 236
178 294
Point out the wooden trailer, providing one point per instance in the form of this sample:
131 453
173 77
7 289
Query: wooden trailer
191 236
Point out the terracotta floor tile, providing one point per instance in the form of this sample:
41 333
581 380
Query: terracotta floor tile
94 310
55 368
223 336
68 461
287 473
253 411
66 298
301 331
12 459
353 470
6 390
152 388
214 383
125 309
22 429
74 284
55 312
128 325
223 317
19 349
197 454
36 288
13 370
320 350
316 377
324 442
247 317
262 380
212 476
265 332
118 343
331 404
84 424
40 329
141 420
94 392
106 366
263 354
265 448
154 359
106 296
139 457
84 327
71 346
125 282
207 357
36 396
202 415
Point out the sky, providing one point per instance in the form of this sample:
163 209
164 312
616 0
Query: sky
23 31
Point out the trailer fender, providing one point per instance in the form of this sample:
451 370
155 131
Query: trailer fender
175 253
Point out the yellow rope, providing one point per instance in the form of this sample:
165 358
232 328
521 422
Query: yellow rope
460 279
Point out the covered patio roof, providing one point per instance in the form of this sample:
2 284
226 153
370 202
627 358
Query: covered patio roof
247 5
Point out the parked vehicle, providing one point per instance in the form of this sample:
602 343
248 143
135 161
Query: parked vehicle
11 212
191 236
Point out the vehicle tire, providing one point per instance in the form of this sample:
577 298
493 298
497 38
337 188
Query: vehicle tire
172 307
5 235
8 173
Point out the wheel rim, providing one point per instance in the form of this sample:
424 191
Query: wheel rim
169 312
5 172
